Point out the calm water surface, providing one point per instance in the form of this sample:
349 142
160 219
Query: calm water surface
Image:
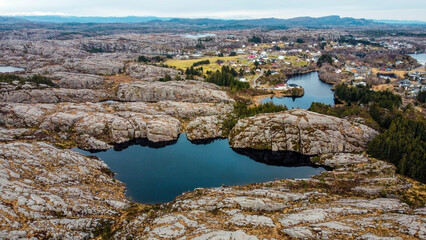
7 69
157 175
315 91
197 36
420 57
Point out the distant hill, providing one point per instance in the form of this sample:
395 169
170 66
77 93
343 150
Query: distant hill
401 22
300 21
328 21
73 19
12 20
155 24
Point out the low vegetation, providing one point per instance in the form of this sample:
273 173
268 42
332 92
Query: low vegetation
242 110
36 79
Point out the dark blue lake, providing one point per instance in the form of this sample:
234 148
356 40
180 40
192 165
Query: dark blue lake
157 175
315 91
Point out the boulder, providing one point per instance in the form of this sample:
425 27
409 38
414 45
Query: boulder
301 131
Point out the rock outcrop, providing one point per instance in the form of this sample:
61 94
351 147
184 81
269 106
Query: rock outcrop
181 91
205 127
78 80
98 64
149 72
301 131
98 125
55 95
50 193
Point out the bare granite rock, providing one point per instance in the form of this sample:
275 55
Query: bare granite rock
149 72
12 134
180 91
46 192
301 131
205 127
99 64
99 125
78 80
55 95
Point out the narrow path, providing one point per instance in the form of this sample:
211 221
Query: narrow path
254 81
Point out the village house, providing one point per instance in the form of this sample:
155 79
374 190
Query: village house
360 73
284 86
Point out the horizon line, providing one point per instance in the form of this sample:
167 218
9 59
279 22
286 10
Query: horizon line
17 15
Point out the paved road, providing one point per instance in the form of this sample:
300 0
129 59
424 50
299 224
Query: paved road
255 80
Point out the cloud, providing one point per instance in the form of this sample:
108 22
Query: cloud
237 9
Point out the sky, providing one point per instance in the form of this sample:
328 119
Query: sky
225 9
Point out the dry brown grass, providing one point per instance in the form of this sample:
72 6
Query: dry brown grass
120 78
383 87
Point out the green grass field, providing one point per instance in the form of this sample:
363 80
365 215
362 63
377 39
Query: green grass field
213 66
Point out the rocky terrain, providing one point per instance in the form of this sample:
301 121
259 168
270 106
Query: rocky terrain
301 131
97 125
76 197
95 117
101 97
46 192
188 91
149 72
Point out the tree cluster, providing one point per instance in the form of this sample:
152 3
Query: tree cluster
404 145
191 72
421 97
255 39
204 62
226 77
364 95
145 59
325 58
166 78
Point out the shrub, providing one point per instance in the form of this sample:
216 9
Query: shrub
201 63
241 110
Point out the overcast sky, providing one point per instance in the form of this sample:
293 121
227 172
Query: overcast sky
235 9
